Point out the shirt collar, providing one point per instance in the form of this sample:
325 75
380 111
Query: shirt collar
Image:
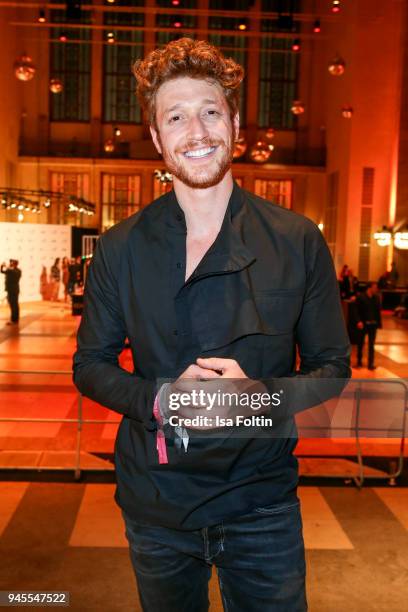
175 214
228 253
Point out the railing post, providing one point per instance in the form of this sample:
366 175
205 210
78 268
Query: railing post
78 439
359 480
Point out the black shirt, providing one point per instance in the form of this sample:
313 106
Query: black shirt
12 281
369 309
266 284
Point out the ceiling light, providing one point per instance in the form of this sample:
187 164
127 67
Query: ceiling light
296 45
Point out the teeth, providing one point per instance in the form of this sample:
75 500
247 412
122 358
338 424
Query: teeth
199 152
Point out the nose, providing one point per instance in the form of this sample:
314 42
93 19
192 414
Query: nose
197 129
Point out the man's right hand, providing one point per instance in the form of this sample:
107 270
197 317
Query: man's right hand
194 371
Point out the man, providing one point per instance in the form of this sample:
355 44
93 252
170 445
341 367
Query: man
369 320
12 286
208 283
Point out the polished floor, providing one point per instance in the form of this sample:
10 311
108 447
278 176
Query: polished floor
69 535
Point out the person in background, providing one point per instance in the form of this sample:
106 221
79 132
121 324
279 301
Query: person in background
65 277
393 276
383 281
44 290
344 282
55 278
353 282
369 320
75 273
12 286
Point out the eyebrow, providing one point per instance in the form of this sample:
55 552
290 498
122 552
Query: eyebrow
180 104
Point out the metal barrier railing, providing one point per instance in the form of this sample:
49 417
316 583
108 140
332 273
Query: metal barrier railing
397 464
80 421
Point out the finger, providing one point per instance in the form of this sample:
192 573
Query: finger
197 373
193 371
208 374
214 363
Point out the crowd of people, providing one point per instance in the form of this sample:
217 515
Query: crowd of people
66 274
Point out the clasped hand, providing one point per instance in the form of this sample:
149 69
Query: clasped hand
210 388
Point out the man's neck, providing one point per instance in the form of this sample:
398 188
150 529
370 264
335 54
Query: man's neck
204 209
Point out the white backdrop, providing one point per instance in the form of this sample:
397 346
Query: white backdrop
34 245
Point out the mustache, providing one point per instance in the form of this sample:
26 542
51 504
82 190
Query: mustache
195 144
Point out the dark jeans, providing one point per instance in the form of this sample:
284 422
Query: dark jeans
12 297
371 332
259 557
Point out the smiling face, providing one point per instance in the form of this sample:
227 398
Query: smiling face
194 131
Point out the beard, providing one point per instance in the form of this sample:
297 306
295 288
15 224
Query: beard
205 177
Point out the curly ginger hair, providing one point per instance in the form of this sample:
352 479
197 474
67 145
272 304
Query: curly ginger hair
186 57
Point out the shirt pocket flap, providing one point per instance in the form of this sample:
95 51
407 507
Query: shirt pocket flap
267 313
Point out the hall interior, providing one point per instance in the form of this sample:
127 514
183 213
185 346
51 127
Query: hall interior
324 132
62 533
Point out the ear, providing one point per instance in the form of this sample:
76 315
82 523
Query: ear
235 124
155 138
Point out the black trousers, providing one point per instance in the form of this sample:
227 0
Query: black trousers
371 331
12 297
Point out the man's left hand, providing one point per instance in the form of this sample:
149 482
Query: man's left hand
228 368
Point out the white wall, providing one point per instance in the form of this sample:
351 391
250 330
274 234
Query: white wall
34 246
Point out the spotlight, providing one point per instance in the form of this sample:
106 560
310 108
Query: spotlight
111 1
111 38
297 107
20 217
175 2
117 131
242 26
47 203
296 45
20 207
316 26
177 23
41 16
13 205
347 112
336 6
63 37
109 146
